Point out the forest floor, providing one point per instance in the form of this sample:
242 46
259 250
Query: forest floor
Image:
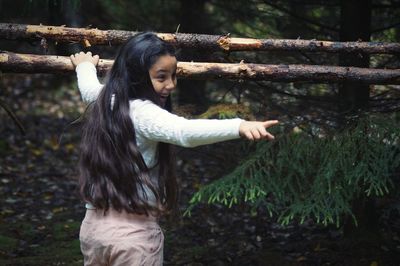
41 212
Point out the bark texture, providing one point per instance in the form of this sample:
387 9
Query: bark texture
28 63
197 41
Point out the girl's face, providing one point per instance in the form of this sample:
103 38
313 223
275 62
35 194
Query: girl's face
163 76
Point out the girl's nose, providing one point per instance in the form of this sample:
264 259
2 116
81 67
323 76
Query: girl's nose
171 85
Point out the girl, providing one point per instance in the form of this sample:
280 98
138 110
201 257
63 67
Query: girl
126 166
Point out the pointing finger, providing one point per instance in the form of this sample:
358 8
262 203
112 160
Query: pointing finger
270 123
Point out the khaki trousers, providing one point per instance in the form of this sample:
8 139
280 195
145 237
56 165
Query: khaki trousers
120 239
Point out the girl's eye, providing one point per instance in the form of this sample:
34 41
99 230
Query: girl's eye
161 78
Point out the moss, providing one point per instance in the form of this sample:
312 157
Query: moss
4 147
60 252
225 111
65 230
188 110
11 234
42 260
8 243
56 244
26 230
192 254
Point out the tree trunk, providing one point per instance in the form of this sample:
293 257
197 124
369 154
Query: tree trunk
25 63
192 21
355 25
57 11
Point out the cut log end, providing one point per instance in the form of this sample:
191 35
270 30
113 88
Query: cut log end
167 37
223 42
4 58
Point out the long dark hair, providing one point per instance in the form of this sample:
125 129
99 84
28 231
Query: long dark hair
112 170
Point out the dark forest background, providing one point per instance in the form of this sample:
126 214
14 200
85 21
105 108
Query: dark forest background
325 193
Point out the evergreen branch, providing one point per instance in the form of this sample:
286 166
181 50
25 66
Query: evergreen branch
298 177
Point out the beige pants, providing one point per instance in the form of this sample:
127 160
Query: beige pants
120 239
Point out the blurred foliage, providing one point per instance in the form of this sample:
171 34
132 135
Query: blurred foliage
299 177
157 15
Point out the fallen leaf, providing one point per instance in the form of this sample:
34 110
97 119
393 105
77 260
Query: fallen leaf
301 258
58 209
69 147
37 152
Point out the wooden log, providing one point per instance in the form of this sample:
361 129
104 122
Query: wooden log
198 41
28 63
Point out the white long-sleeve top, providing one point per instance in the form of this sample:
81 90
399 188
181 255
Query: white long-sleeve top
153 124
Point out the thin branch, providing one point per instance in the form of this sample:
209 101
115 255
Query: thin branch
394 87
386 27
386 6
13 117
307 20
297 96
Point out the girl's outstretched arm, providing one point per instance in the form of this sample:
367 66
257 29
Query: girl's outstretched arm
157 124
88 83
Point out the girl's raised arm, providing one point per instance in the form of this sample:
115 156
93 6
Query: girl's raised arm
88 83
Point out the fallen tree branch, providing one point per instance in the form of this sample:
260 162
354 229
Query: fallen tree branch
28 63
184 40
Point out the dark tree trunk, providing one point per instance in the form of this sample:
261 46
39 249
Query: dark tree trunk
192 21
355 25
295 27
56 17
62 12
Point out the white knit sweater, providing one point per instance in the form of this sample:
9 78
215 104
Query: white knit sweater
153 124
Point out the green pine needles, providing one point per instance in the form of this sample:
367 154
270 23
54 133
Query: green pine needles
300 177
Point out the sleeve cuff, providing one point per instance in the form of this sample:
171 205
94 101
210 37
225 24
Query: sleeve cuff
236 128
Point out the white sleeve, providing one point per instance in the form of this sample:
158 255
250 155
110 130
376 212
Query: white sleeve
88 83
157 124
